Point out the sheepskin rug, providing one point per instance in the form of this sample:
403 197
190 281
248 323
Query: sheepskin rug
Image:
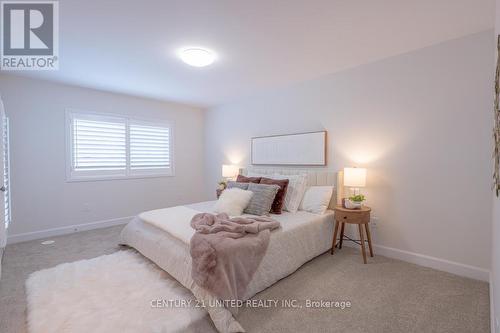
111 293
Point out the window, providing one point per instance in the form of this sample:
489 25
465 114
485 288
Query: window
149 147
99 144
109 147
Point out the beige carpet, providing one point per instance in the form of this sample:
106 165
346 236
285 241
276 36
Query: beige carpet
386 295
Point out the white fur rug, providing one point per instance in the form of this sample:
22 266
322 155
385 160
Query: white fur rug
111 293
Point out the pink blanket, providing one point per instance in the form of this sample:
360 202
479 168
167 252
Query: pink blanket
227 251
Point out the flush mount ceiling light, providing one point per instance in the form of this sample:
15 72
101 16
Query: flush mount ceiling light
197 56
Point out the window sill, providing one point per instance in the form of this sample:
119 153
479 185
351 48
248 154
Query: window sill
78 179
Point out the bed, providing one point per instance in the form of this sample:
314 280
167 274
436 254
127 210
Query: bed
302 237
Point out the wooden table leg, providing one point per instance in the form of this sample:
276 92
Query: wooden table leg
336 229
362 236
341 235
367 228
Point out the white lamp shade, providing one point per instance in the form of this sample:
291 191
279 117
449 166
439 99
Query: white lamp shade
230 171
355 177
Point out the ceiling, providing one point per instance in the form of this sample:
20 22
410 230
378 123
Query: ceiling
130 46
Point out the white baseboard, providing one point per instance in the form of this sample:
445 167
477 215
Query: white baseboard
17 238
492 306
452 267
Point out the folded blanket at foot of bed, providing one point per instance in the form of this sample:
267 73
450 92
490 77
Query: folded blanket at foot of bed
226 252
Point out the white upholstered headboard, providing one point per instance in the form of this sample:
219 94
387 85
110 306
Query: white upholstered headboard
315 177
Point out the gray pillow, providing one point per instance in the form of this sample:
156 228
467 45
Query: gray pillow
233 184
262 199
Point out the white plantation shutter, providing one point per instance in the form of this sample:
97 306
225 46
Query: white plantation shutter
6 172
99 145
149 147
104 147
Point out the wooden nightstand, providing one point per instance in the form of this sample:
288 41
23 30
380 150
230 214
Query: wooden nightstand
353 216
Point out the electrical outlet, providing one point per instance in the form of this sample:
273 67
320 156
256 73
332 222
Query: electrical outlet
374 222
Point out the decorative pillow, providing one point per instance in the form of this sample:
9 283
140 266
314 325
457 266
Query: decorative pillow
233 184
233 201
295 191
279 200
316 199
243 179
262 200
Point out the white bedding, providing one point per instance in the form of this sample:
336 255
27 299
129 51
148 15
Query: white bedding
167 219
302 236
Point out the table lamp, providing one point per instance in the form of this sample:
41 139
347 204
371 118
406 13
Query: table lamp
230 171
355 178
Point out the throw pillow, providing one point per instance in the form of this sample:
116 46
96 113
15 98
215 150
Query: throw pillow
233 201
233 184
279 200
262 199
316 199
243 179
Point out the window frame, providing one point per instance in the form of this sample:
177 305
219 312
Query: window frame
99 175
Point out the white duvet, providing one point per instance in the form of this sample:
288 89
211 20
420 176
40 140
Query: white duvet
163 236
167 219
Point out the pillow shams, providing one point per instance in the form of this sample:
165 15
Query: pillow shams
233 201
296 188
316 199
262 199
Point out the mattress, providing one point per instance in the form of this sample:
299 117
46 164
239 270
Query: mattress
301 237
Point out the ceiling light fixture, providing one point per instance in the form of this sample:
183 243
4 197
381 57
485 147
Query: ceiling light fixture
197 56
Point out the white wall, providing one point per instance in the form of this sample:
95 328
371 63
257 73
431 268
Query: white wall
420 122
41 197
495 229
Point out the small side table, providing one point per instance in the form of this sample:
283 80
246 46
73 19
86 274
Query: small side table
353 216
